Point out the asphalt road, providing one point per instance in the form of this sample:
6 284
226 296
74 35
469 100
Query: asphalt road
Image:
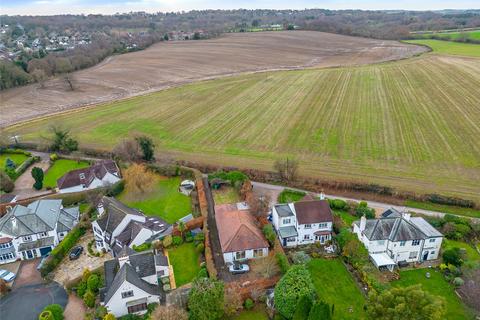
373 204
27 302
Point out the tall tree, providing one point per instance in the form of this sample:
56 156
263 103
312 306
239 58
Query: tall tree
405 303
138 180
61 140
287 169
147 146
206 300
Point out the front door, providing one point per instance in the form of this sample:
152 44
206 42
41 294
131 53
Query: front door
284 242
29 254
425 255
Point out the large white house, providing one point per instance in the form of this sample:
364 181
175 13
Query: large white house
33 231
100 174
303 222
132 281
398 237
240 238
119 225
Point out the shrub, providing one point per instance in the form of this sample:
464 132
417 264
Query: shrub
46 315
109 316
167 241
53 157
6 184
93 283
338 204
295 284
282 262
25 164
249 304
199 237
89 299
115 189
202 273
303 308
176 240
37 174
100 312
300 257
457 282
200 247
56 310
363 210
143 247
9 164
86 274
320 310
189 237
206 300
269 234
233 176
453 256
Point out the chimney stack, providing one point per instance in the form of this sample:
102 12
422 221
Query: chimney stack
322 195
363 223
100 208
406 216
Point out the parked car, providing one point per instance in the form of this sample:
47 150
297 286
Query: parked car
7 275
238 268
75 253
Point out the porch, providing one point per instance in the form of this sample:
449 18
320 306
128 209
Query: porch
382 261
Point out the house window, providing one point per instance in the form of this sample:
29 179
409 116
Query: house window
6 256
99 243
42 234
5 245
257 253
432 252
415 242
402 243
306 237
239 255
27 238
127 294
413 254
381 242
431 240
322 225
137 308
287 221
308 226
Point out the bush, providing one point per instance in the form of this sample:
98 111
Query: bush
234 177
303 308
189 237
89 299
46 315
167 241
53 157
269 234
143 247
453 256
338 204
176 240
249 304
109 316
457 282
25 164
300 257
206 299
203 273
200 248
56 310
363 210
37 174
282 262
199 237
320 310
115 189
93 283
295 284
6 184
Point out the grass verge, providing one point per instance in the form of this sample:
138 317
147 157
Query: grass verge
288 195
468 212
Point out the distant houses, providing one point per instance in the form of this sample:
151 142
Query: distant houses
240 238
118 226
303 222
33 231
100 174
398 237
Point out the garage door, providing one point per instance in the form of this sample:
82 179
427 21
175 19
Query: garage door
44 251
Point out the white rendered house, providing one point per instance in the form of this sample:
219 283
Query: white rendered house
398 238
303 222
33 231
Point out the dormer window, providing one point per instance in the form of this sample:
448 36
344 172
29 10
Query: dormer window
27 238
42 234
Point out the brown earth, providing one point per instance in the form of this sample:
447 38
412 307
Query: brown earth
169 64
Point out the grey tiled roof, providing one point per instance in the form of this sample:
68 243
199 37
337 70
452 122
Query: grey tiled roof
287 232
391 213
283 210
393 229
114 213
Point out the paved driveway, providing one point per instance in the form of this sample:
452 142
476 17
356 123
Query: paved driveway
28 274
27 302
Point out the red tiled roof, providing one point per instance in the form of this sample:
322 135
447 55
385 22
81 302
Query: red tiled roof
85 176
313 211
237 230
320 233
5 240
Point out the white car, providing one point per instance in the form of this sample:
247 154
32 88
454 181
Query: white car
7 275
238 268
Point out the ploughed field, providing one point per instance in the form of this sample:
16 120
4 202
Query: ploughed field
412 124
169 64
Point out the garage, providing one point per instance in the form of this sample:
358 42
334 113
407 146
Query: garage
45 250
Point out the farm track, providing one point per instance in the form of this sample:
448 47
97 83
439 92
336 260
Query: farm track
410 124
171 64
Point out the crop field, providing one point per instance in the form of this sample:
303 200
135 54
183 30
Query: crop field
450 47
473 35
412 124
174 63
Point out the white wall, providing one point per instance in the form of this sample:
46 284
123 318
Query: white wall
117 305
96 183
302 231
141 237
229 257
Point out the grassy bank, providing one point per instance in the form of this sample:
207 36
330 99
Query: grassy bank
450 47
468 212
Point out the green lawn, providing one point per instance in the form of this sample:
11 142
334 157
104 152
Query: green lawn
225 195
450 47
59 168
436 285
184 260
17 158
472 254
474 35
258 313
163 201
469 212
335 285
287 196
346 217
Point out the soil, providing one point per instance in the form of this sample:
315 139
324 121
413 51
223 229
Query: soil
174 63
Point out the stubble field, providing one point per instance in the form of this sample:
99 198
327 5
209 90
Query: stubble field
412 124
170 64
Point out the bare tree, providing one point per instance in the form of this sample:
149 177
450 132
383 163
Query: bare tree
39 76
70 81
233 300
259 205
169 313
287 169
128 150
138 180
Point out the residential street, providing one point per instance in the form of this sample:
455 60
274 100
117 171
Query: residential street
276 189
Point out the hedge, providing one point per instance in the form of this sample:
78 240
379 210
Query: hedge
63 248
233 176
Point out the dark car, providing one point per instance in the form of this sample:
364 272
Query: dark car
75 253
